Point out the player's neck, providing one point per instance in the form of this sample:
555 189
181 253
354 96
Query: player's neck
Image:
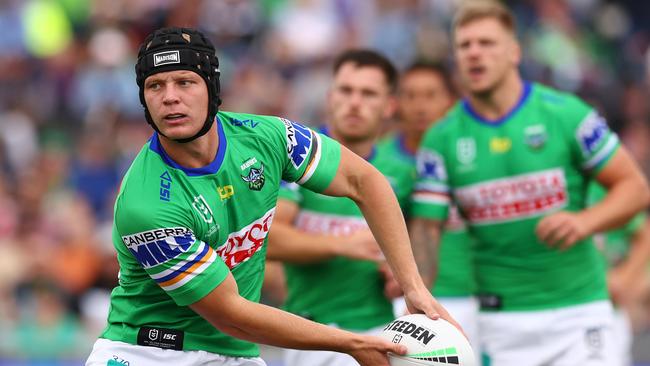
194 154
499 101
363 148
411 141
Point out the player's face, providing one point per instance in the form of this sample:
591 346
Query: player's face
423 98
359 102
486 52
177 101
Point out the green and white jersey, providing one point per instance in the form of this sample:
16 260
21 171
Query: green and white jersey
455 269
614 244
343 291
179 231
505 176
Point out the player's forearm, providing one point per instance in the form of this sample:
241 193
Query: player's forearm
384 217
425 239
637 259
288 244
624 199
259 323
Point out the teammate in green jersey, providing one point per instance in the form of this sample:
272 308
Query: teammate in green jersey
516 158
424 95
193 213
626 251
331 258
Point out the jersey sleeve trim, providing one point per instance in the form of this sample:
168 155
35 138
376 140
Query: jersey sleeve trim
314 161
604 154
431 198
186 270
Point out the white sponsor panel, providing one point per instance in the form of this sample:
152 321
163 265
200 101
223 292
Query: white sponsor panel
243 244
514 198
316 222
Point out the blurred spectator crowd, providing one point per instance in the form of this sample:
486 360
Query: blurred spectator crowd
71 120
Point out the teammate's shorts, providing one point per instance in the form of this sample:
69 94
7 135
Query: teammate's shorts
463 309
112 353
294 357
581 335
623 335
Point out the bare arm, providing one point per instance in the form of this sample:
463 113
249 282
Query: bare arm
238 317
627 194
623 277
288 244
425 240
373 194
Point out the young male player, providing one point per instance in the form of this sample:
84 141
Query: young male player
516 157
193 213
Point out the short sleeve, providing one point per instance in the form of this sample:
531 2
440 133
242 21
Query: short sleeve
312 159
166 248
431 195
591 138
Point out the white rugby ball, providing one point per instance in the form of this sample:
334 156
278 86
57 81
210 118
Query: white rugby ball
428 342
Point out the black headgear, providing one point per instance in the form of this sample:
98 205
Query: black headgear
172 48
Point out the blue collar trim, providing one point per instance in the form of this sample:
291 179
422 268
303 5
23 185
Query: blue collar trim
211 168
494 123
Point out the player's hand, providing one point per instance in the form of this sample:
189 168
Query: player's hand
420 300
392 289
561 229
372 351
359 245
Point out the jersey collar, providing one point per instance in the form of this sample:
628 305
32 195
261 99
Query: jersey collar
213 167
497 122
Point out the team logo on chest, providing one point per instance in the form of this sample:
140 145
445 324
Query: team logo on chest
466 150
535 136
255 177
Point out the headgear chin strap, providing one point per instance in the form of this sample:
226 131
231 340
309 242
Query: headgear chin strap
169 49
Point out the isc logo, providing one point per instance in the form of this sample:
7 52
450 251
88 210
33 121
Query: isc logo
169 337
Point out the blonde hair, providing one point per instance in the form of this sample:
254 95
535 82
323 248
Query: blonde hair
471 10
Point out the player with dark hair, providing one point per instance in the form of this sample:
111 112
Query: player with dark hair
192 217
332 262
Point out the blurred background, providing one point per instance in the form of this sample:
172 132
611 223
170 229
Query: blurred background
71 120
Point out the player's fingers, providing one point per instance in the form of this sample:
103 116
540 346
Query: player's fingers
545 227
558 236
569 240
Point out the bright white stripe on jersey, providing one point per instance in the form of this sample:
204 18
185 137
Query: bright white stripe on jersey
180 264
311 168
612 143
429 197
187 278
432 187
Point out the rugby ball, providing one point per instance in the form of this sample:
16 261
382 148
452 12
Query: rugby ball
428 342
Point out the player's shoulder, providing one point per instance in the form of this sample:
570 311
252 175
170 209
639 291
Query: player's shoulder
448 124
146 188
250 124
554 99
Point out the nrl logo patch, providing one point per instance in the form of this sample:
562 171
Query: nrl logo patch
255 178
535 136
167 57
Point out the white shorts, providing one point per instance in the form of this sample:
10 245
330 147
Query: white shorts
580 335
623 335
463 309
294 357
112 353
